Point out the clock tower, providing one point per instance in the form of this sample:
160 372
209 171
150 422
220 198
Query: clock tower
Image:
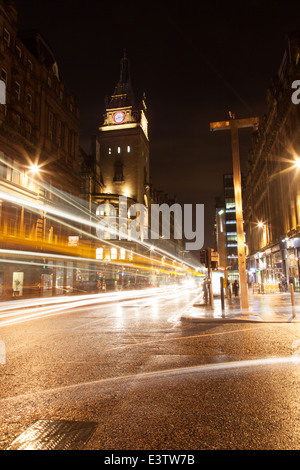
124 144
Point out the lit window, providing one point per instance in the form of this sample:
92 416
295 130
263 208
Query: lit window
122 253
128 148
113 253
119 149
109 151
99 253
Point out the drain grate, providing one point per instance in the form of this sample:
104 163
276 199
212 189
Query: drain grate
54 435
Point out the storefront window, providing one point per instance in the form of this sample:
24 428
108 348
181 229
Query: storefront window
17 284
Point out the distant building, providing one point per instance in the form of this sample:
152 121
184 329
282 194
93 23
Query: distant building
225 228
272 193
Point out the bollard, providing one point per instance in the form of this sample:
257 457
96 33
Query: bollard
211 296
292 299
222 293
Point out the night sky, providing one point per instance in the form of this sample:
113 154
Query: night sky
196 61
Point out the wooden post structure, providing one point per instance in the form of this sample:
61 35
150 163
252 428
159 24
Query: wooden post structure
234 125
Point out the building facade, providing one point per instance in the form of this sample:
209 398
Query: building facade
225 229
272 194
39 148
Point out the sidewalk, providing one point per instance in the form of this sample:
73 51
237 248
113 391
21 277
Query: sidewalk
268 308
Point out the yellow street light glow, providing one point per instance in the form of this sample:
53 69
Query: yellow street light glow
260 224
34 168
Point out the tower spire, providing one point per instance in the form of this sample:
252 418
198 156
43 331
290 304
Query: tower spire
124 70
123 94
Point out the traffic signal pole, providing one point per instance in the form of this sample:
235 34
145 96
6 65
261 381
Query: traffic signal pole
234 125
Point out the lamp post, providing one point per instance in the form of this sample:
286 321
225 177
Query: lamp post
234 125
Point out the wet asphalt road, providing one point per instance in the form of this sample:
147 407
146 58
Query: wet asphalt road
149 381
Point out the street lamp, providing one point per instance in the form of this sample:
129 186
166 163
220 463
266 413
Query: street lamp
34 168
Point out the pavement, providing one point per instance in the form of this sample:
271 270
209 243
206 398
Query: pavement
267 308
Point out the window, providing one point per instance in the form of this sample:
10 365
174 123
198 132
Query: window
118 176
99 253
119 149
59 131
122 253
29 102
6 37
113 253
50 124
19 52
230 205
18 91
109 151
231 238
128 148
3 76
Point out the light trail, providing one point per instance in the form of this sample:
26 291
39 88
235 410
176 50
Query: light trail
203 369
56 305
53 212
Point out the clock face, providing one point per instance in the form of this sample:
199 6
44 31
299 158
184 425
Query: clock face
119 117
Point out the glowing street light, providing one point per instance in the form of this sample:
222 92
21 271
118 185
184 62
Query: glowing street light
260 224
34 168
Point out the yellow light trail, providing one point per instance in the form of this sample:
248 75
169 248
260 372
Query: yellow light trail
79 206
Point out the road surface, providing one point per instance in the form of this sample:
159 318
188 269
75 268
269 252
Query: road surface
129 374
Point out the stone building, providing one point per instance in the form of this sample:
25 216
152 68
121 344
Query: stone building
39 134
116 178
272 193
